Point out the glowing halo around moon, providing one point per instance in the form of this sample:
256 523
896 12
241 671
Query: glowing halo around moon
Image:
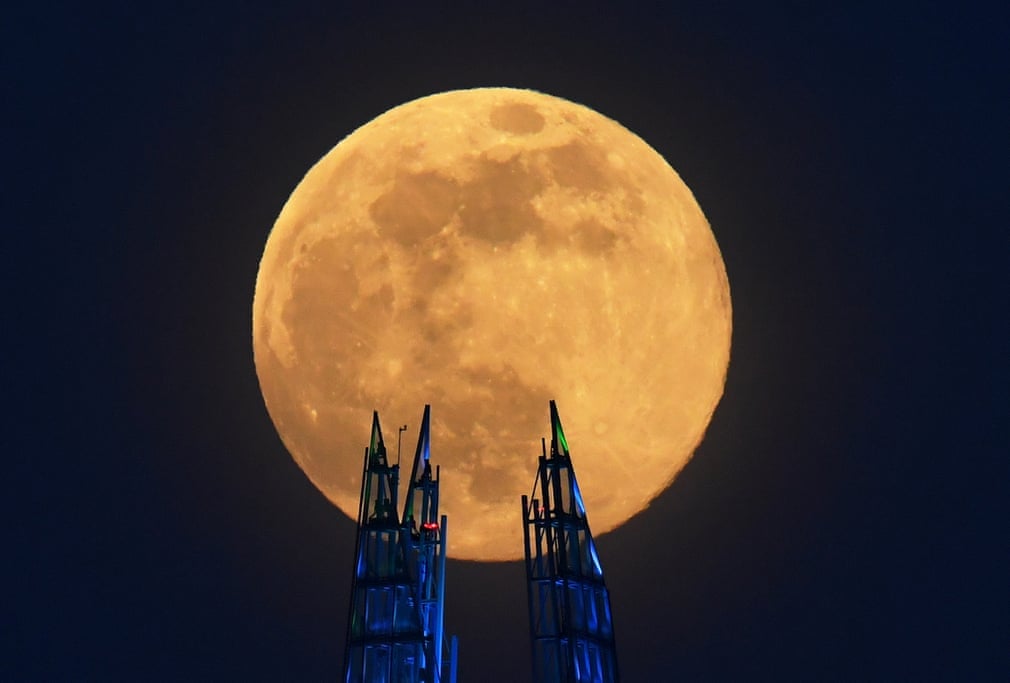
485 251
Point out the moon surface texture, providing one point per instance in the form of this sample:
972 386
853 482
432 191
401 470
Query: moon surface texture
485 251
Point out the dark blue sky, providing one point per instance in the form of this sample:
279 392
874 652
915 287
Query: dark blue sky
845 518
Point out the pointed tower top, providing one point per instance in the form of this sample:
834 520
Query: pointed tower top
423 452
421 469
378 485
559 444
376 447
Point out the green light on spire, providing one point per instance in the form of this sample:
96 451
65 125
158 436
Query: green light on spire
559 433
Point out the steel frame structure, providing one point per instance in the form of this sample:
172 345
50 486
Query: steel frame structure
395 622
571 625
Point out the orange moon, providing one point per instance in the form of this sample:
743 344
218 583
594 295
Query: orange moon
485 251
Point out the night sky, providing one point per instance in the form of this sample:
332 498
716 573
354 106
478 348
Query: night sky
845 517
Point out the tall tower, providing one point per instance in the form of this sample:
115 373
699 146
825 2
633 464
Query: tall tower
571 626
395 619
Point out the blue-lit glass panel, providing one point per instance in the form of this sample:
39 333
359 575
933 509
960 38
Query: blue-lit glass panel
376 669
580 507
379 611
589 602
406 619
407 661
603 610
595 559
576 607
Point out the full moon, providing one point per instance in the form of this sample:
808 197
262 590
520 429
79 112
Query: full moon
486 251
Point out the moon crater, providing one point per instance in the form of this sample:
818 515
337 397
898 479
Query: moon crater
517 118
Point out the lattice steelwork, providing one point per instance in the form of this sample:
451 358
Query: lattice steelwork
395 620
425 535
571 626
